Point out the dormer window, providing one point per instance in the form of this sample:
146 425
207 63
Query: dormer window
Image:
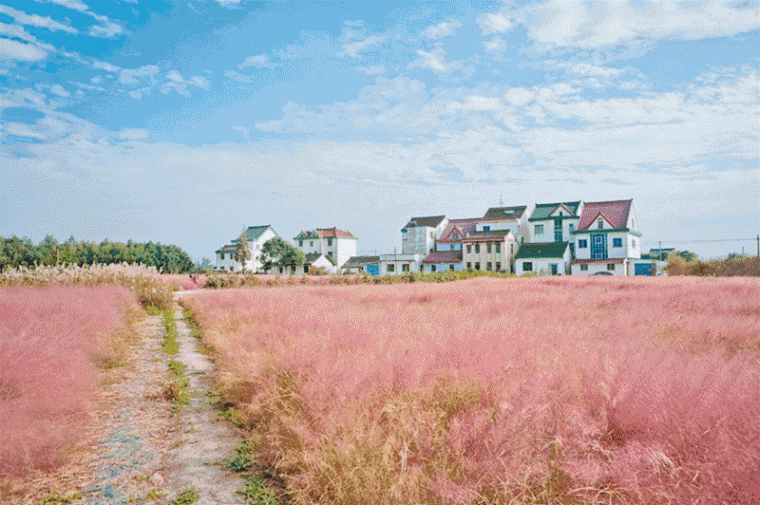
560 213
455 235
600 223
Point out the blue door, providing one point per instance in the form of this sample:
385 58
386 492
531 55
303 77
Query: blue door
644 269
373 269
598 246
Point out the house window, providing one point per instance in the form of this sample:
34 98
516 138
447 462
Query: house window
455 235
293 269
329 241
477 265
488 248
469 266
432 268
584 267
610 266
486 228
498 247
539 229
527 266
311 243
477 248
633 243
300 243
451 267
498 266
617 242
571 227
391 267
511 249
600 223
221 256
488 266
469 248
405 267
582 243
432 235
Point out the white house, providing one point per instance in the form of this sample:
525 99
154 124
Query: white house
546 258
255 236
447 251
514 219
419 234
606 239
489 250
554 222
311 261
361 264
338 245
399 264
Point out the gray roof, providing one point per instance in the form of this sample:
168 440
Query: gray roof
254 232
544 210
312 257
428 221
533 250
360 261
505 212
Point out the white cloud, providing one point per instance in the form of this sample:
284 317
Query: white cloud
35 20
132 134
58 90
476 103
491 23
245 131
435 60
15 50
106 29
105 66
441 30
135 75
179 84
257 61
228 2
354 48
372 70
237 76
589 25
496 46
519 96
71 4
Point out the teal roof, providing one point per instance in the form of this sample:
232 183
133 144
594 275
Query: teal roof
532 250
544 210
254 232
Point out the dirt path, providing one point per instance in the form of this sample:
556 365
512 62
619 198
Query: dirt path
148 453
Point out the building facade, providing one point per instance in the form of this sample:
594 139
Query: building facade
547 258
337 245
491 251
255 237
419 234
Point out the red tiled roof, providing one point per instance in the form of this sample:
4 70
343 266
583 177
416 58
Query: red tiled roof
616 212
443 257
461 226
333 232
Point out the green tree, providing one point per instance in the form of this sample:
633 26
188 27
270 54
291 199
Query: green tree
687 255
278 252
242 251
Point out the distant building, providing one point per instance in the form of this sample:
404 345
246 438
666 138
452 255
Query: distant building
514 219
337 245
399 264
362 264
255 236
419 234
607 239
447 250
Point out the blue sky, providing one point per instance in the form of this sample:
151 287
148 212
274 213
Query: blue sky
183 121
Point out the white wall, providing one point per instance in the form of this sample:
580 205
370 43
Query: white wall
441 267
548 233
344 248
542 266
620 269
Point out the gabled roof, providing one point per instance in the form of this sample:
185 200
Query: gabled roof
253 232
429 221
312 257
532 250
505 212
484 236
443 257
615 212
360 261
463 227
323 232
544 210
227 248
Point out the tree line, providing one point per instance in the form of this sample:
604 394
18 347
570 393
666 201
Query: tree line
16 252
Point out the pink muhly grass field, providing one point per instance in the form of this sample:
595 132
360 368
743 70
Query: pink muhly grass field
498 391
52 341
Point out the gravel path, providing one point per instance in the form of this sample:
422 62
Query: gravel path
150 454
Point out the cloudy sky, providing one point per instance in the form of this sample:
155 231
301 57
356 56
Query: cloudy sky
183 121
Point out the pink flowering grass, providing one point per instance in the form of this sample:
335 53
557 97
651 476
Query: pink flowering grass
53 340
533 390
185 281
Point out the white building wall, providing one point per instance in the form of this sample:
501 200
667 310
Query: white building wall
568 225
542 266
620 269
254 264
441 267
345 248
412 262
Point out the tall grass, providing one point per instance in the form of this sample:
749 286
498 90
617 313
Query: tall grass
497 391
53 341
145 282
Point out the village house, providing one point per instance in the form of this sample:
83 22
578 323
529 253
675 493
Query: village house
419 234
255 237
607 239
311 262
552 258
336 245
447 251
514 219
489 250
399 264
362 264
